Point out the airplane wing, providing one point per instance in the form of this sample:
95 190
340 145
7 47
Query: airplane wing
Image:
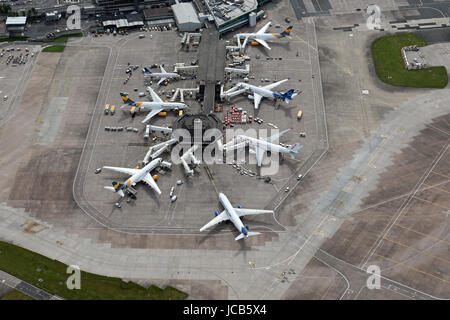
155 97
220 218
275 84
161 80
263 43
151 114
245 212
278 135
123 170
264 29
148 179
256 99
162 69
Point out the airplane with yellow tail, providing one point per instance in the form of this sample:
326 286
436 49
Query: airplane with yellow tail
156 106
260 37
136 175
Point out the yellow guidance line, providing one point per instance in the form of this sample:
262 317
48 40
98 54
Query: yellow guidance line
412 268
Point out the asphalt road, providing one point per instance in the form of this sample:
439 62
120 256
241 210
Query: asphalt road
24 287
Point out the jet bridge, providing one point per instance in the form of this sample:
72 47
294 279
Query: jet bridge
158 149
181 91
245 71
231 92
189 156
181 67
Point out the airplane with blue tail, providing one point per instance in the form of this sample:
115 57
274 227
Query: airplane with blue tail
260 146
234 214
266 92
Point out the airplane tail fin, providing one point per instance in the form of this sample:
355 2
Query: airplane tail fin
294 149
146 71
288 95
127 100
287 32
249 234
117 187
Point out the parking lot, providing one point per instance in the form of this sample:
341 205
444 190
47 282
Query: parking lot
16 62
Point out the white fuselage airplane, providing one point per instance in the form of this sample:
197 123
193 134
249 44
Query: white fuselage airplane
259 147
155 107
163 75
137 175
266 92
234 214
261 36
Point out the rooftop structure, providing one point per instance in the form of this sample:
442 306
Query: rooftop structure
231 14
16 25
186 17
157 13
16 21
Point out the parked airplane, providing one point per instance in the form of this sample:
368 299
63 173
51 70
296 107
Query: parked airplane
261 36
234 214
155 107
137 175
260 146
266 92
163 75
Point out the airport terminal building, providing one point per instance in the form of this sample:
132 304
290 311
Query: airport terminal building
186 17
230 15
15 26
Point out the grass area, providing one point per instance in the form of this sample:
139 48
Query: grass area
12 39
390 68
24 264
66 37
55 48
16 295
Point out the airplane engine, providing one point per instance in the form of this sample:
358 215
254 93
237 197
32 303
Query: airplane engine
155 177
254 43
216 213
250 97
240 207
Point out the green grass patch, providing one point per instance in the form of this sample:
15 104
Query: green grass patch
30 267
390 68
12 39
55 48
65 38
16 295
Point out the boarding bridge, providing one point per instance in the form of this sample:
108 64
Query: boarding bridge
158 149
245 71
231 93
160 129
181 91
189 155
240 47
181 67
